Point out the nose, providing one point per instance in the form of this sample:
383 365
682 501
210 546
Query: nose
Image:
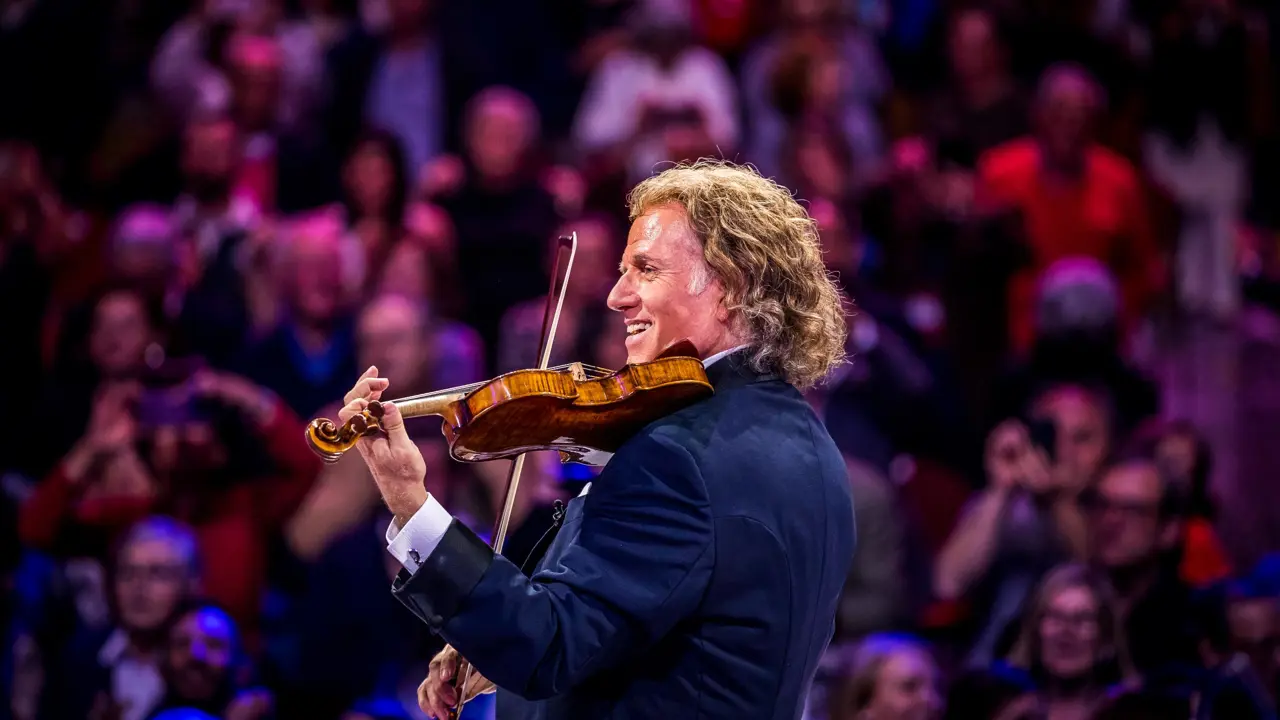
623 294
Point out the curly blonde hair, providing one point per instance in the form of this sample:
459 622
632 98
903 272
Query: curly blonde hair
763 248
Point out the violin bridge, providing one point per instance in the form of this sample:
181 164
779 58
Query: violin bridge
578 372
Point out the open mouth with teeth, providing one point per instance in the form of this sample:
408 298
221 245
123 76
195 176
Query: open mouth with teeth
637 327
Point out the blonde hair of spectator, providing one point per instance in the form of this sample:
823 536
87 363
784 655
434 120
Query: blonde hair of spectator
859 667
763 248
171 532
1112 647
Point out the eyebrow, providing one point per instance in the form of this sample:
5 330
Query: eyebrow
639 259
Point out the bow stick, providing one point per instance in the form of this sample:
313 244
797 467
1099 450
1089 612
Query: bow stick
550 322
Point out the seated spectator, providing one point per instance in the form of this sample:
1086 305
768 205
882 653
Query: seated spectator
1024 523
213 232
1185 458
862 82
983 107
108 345
209 448
1076 199
886 677
1135 520
502 213
309 358
1077 341
1071 643
117 668
661 98
206 669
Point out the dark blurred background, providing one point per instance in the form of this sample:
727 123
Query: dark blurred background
1055 220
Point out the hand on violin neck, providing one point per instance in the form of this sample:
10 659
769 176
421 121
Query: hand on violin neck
393 459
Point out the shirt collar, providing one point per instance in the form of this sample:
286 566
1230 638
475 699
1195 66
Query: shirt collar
721 354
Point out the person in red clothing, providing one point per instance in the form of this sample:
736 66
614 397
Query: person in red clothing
1075 197
229 460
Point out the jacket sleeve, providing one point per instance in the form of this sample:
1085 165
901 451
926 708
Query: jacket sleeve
639 564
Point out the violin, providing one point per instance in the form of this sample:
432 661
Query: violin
582 411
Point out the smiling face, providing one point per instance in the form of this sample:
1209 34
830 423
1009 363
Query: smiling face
666 292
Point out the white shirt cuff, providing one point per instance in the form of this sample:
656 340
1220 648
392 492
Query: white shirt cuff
414 543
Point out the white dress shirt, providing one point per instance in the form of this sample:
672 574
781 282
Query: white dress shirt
414 543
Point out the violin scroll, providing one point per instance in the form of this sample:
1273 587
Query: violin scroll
330 441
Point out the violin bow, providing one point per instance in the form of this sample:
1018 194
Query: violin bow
550 323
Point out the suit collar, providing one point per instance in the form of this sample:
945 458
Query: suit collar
732 370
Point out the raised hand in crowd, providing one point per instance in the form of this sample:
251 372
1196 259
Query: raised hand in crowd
255 402
111 430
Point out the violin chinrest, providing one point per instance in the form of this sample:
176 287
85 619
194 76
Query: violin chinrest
682 348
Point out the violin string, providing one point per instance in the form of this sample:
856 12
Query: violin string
472 386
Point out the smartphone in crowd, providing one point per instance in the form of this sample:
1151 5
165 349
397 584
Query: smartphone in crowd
1044 435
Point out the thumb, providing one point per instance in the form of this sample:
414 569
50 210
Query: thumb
392 423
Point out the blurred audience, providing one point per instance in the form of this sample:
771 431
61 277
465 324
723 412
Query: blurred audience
215 214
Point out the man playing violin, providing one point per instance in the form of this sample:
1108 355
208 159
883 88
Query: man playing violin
699 574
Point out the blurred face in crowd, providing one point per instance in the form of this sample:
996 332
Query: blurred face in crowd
826 79
407 272
1255 631
1177 454
1066 112
368 177
666 293
500 134
211 152
972 45
1082 433
1125 522
317 271
392 335
593 265
255 63
151 580
201 647
120 334
1069 633
906 688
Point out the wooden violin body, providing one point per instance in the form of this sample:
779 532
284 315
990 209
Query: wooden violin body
583 417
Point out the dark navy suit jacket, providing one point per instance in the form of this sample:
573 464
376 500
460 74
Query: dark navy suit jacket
697 578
